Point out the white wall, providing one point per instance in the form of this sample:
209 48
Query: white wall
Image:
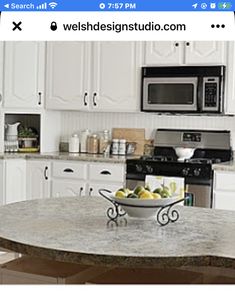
75 121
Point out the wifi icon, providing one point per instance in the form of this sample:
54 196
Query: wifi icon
53 5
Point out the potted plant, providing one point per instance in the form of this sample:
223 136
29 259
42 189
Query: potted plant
27 137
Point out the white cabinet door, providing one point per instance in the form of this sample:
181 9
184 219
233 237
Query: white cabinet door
229 92
224 200
24 74
116 76
205 52
38 179
1 72
93 189
164 53
15 180
2 183
68 188
67 75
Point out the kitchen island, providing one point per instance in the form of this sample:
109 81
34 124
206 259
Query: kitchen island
77 230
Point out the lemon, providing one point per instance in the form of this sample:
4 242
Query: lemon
120 194
156 196
145 195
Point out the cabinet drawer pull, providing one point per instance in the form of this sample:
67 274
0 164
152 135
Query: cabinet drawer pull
84 98
80 192
187 43
39 98
105 172
176 44
68 170
90 191
94 97
45 173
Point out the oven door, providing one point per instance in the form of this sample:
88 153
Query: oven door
170 94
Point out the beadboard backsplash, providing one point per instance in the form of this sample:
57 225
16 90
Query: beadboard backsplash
76 121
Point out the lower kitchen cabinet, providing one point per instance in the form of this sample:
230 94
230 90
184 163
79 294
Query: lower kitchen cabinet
224 190
224 200
71 178
15 180
93 188
68 188
38 179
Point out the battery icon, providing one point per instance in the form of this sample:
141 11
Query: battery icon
225 5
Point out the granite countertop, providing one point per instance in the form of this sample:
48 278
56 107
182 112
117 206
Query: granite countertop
77 230
226 166
67 157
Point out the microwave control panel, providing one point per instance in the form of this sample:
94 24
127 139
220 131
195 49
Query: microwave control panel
211 94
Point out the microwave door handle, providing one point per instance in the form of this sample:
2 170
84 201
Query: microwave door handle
200 95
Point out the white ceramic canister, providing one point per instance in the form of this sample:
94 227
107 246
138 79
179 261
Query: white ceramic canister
83 140
122 147
74 144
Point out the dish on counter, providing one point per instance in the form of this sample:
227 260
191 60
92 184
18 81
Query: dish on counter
141 202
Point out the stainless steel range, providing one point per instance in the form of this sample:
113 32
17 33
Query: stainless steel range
209 147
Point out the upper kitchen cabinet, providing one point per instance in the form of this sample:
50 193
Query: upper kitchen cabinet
100 76
185 53
24 74
115 76
68 81
1 71
163 53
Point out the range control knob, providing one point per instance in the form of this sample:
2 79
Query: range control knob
185 171
138 168
197 171
149 169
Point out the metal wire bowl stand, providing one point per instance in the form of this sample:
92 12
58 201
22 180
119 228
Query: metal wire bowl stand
165 214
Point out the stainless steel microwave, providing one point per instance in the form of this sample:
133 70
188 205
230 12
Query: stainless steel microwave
188 89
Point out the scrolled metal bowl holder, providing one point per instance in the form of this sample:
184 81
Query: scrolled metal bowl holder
165 214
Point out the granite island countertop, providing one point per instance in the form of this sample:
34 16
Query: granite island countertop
77 230
68 157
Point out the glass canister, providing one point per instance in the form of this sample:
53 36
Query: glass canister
83 140
122 147
104 141
115 146
93 144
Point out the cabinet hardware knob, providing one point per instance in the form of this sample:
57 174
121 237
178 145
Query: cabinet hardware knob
187 43
39 98
176 44
94 97
84 98
90 191
68 170
45 173
80 193
105 172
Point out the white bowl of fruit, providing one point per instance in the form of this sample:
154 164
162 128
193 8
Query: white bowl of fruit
142 202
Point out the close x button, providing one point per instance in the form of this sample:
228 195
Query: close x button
17 26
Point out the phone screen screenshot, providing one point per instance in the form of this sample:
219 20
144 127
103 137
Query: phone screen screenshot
117 140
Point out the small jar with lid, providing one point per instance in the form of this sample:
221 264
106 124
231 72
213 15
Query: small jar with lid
115 146
74 144
122 147
93 144
104 141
